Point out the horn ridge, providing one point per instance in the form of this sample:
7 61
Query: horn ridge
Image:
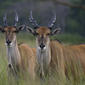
16 19
33 21
53 20
5 19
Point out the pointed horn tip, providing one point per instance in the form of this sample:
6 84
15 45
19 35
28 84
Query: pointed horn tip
4 17
31 11
16 18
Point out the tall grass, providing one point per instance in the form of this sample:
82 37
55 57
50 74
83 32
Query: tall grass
30 40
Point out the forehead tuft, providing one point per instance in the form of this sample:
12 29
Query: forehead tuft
11 28
43 30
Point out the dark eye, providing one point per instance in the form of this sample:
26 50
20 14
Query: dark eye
36 34
3 31
48 34
15 31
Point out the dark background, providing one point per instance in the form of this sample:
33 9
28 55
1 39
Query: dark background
70 19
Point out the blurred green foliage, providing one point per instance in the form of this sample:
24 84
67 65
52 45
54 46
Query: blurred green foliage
69 38
76 20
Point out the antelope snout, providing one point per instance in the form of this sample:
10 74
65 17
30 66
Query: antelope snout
9 65
42 46
8 42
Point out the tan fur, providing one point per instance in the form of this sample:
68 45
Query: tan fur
56 63
63 57
77 52
43 30
21 57
57 58
70 58
27 59
34 51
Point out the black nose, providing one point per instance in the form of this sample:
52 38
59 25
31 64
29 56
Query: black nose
8 42
42 46
9 65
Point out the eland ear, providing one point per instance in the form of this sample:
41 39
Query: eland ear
55 31
29 29
20 28
1 29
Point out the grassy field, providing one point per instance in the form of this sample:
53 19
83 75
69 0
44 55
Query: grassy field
27 38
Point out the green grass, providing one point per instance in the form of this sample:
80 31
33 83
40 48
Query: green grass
29 39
